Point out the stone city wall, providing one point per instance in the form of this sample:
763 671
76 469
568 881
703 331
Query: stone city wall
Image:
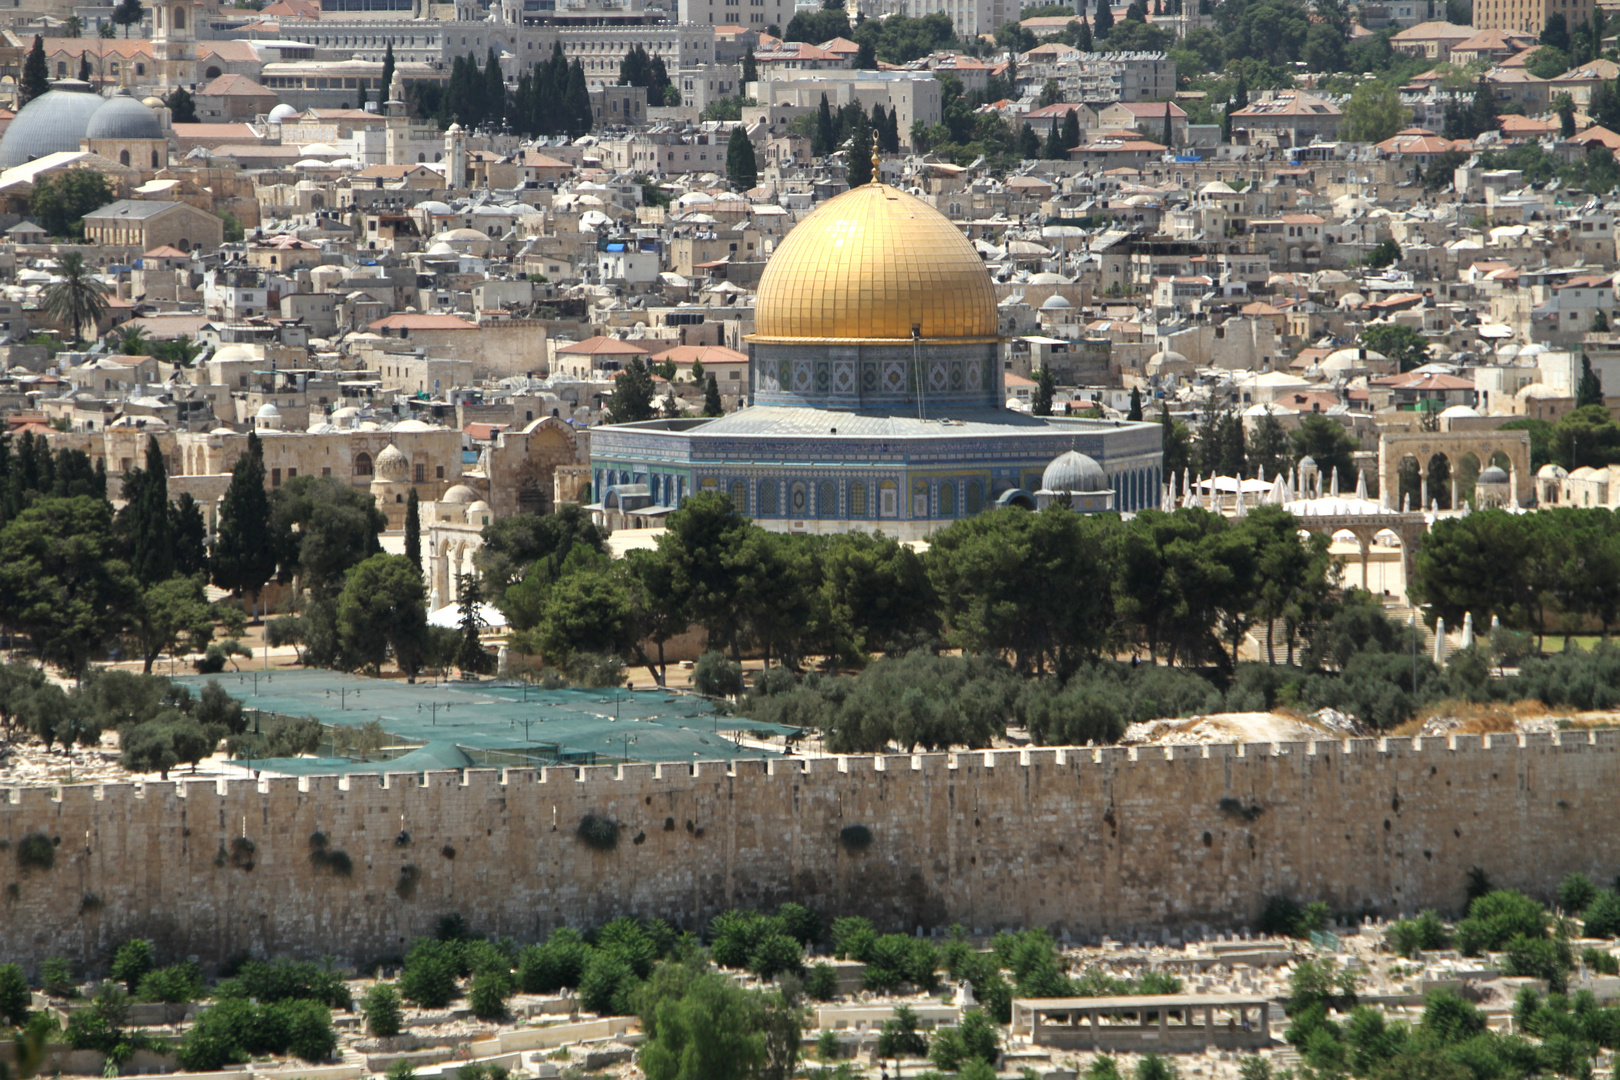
1092 841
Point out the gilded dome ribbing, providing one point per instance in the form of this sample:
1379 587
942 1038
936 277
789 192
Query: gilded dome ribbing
870 265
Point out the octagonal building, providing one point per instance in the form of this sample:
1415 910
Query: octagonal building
878 404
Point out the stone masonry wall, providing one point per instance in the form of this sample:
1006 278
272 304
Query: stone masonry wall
1093 841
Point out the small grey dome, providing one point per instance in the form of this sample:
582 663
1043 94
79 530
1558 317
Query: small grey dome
1074 471
1493 474
1307 462
392 465
52 123
122 117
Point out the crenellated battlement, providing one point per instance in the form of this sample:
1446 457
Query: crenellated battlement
1090 839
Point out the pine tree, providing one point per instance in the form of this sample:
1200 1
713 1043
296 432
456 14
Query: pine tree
244 553
36 74
388 72
632 394
152 532
182 106
711 398
741 169
413 530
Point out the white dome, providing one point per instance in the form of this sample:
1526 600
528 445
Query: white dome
1494 474
1459 410
392 465
1055 302
412 425
233 353
1340 360
1074 471
282 112
461 494
268 411
474 509
1551 471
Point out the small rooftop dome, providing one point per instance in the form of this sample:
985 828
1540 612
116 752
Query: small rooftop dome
1074 471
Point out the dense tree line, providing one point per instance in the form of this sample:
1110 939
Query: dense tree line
551 97
649 73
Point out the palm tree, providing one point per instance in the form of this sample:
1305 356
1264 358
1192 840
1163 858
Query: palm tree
75 26
79 298
182 351
132 340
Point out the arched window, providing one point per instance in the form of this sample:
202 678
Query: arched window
827 500
179 18
767 498
739 496
947 499
362 464
123 157
975 498
799 499
919 500
857 500
154 159
888 498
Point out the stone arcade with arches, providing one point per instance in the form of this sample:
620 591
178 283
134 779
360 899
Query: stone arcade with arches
878 396
1449 464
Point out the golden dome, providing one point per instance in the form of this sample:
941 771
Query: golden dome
868 266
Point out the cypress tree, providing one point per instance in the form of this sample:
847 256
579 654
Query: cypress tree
152 531
36 74
741 169
387 72
1105 19
860 152
821 143
711 398
190 535
245 553
413 531
85 74
1082 36
1169 132
1053 150
1029 143
579 100
1136 404
892 132
750 69
494 92
1071 133
471 657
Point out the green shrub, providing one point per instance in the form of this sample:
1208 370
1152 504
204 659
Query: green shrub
822 983
132 961
429 976
605 985
974 1039
57 976
488 993
556 965
774 955
15 996
1280 916
286 980
306 1028
1604 963
219 1036
1602 915
400 1070
853 938
176 983
1408 937
715 676
1576 892
800 922
598 833
1538 958
1496 918
384 1018
36 852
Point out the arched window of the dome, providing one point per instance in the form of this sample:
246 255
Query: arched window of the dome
739 496
768 498
827 500
975 497
889 499
799 499
947 499
857 500
919 500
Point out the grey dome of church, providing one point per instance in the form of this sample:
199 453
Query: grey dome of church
878 398
122 117
56 121
51 123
